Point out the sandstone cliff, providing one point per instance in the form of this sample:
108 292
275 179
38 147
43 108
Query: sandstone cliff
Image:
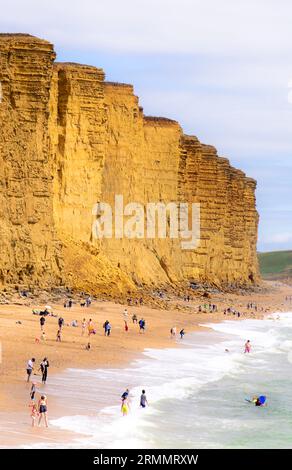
68 140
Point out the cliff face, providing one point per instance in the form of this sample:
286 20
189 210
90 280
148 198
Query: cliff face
68 140
29 249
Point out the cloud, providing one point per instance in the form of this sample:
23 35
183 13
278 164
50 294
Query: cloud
167 26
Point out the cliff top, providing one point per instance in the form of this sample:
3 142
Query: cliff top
160 120
76 65
27 38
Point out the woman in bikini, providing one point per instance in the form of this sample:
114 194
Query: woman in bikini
43 410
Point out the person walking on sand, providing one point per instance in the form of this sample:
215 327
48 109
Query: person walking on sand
247 347
125 314
126 326
59 336
134 318
44 369
29 368
43 410
108 329
182 333
105 327
60 322
83 326
42 322
173 332
90 327
142 325
143 400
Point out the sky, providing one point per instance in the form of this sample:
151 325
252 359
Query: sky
223 69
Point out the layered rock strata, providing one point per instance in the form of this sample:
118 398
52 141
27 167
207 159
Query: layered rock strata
70 140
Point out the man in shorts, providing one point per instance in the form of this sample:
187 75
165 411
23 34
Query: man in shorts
29 368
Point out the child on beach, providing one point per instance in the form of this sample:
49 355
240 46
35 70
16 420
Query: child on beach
34 413
32 391
59 338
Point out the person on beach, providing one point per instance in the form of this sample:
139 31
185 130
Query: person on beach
59 336
108 329
88 347
29 368
125 394
32 391
83 326
247 347
143 400
42 322
43 410
125 407
126 326
34 413
182 333
90 327
134 318
125 314
173 332
142 325
44 369
60 322
43 336
105 327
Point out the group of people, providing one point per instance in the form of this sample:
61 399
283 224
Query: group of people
125 406
44 365
173 332
38 410
211 308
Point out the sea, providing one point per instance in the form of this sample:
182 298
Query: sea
198 393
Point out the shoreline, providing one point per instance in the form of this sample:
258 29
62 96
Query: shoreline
12 384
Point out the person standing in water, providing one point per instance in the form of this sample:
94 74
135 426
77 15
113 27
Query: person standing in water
43 410
247 347
143 400
125 407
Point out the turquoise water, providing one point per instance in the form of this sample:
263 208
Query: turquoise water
196 393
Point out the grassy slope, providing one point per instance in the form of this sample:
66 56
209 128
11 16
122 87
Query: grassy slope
276 264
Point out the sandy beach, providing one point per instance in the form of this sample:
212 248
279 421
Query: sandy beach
19 329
